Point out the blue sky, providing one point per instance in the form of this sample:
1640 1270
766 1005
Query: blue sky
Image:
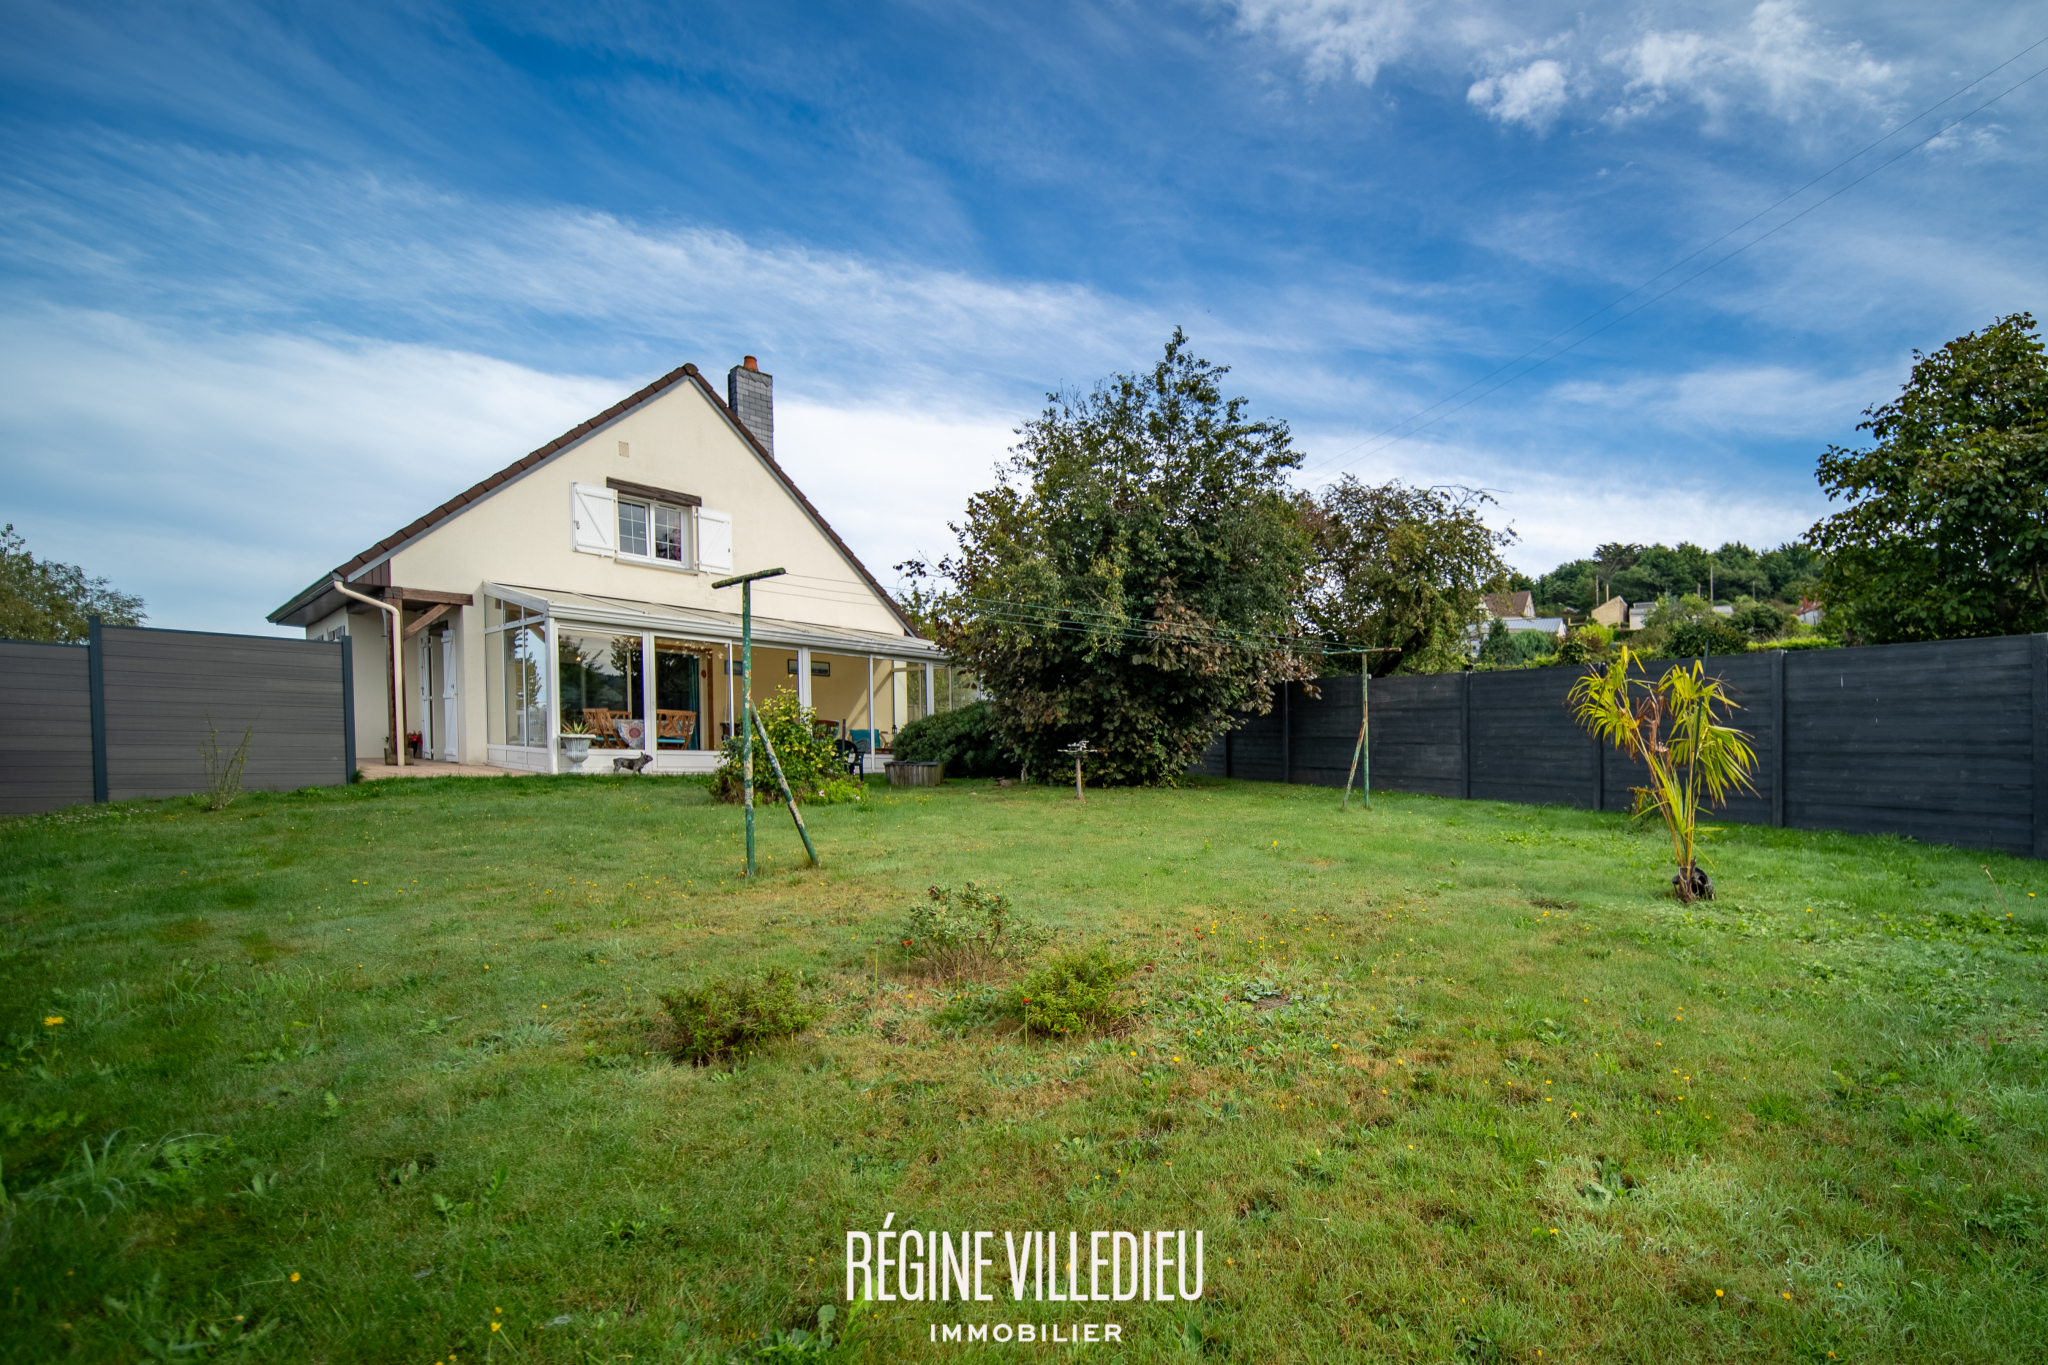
275 280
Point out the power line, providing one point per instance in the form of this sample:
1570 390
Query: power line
1115 626
1694 255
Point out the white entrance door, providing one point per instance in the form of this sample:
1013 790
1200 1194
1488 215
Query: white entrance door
448 698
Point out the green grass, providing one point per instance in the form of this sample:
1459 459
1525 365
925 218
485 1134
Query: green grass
353 1075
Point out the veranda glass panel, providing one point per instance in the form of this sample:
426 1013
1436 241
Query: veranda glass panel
600 683
522 682
681 674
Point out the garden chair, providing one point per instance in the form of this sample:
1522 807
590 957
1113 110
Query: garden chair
674 727
599 719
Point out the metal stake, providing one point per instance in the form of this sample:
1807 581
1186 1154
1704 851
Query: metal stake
745 582
787 794
1360 757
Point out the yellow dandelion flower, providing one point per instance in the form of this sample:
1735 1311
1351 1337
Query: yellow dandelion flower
52 1020
295 1277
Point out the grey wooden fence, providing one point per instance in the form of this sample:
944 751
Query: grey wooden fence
126 715
1944 742
45 726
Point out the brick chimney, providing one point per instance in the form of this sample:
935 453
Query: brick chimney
751 396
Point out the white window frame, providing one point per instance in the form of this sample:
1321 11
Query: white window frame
684 519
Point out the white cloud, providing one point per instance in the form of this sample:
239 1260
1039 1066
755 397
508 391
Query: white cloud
1562 505
1530 59
1754 400
1533 96
888 479
1779 61
216 474
492 275
1335 36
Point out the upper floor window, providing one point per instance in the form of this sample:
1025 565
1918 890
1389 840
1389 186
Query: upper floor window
653 530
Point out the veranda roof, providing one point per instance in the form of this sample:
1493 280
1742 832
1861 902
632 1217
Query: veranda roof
576 609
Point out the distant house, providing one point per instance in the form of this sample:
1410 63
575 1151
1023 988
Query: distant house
572 590
1612 613
1509 606
1546 625
1639 614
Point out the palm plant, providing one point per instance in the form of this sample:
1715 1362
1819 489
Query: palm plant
1691 758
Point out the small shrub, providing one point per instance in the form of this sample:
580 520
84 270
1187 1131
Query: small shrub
1761 620
969 931
1074 992
737 1014
966 741
809 760
1506 648
223 767
1689 638
1588 644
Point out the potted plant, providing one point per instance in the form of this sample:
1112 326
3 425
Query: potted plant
575 741
412 742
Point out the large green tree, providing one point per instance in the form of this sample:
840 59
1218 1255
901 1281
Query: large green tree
41 599
1403 570
1130 583
1945 529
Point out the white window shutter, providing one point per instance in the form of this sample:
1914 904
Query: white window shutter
714 540
594 518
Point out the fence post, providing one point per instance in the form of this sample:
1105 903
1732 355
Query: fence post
1599 774
348 712
1286 733
2040 698
1465 733
1778 657
96 687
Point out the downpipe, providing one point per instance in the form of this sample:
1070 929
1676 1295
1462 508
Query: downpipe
397 667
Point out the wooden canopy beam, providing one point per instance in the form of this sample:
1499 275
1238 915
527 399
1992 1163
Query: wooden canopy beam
428 619
428 596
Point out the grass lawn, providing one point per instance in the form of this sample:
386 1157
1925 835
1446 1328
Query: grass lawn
375 1074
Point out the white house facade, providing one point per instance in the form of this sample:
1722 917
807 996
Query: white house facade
573 589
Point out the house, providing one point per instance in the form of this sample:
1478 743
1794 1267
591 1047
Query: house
574 587
1639 614
1509 606
1613 613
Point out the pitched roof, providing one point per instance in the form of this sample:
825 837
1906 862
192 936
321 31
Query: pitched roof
1521 604
384 548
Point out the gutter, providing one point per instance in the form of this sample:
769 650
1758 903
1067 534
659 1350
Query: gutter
397 663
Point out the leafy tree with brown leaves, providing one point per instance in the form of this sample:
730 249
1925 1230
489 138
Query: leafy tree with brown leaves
1130 583
1404 570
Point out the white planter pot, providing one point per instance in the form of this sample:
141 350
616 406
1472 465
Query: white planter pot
576 748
